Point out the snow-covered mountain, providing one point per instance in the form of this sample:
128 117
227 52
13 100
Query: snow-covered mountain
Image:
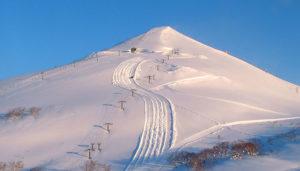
172 94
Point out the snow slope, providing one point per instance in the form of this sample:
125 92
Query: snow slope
157 135
193 96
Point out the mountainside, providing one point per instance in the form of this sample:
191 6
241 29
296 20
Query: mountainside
172 95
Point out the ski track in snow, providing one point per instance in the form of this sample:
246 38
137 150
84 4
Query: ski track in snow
158 132
196 137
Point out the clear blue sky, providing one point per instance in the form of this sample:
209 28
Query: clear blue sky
40 34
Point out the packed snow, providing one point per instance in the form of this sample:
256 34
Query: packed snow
172 94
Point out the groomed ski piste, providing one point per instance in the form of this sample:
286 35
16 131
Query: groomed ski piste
158 133
178 94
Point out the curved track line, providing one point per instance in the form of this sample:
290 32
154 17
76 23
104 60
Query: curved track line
243 105
218 127
158 132
200 78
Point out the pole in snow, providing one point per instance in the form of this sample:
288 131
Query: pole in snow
89 155
168 57
99 147
92 146
132 92
149 78
108 127
122 102
176 51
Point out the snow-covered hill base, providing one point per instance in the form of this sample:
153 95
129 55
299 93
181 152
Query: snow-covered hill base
133 110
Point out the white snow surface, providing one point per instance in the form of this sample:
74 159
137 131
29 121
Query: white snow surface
190 99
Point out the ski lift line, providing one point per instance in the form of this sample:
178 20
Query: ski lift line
79 160
84 155
93 135
55 69
90 135
47 73
75 62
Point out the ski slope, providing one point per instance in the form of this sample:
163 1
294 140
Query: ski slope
197 97
157 135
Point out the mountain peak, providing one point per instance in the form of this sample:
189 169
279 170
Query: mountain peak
162 39
162 30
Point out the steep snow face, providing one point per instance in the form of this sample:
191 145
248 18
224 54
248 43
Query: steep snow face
180 95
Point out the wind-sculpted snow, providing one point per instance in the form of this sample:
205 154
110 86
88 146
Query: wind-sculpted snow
157 135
